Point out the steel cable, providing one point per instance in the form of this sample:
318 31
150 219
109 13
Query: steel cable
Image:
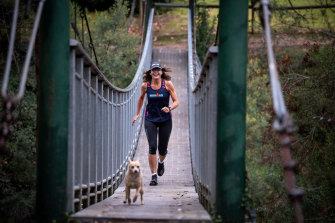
29 52
10 101
277 94
283 123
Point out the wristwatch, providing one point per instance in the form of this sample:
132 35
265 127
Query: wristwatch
170 109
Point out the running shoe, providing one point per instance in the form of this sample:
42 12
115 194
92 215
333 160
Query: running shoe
153 181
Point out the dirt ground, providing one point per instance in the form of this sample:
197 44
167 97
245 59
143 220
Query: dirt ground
164 37
257 41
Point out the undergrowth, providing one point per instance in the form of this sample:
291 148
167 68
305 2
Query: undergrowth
308 82
18 167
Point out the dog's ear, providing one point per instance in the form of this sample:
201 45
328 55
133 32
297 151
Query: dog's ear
138 160
129 160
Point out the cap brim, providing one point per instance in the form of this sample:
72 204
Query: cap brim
155 67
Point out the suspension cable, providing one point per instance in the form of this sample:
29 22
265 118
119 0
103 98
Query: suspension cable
74 26
283 123
91 45
29 52
10 101
75 22
10 50
277 94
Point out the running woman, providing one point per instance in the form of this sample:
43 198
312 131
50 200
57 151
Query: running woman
158 87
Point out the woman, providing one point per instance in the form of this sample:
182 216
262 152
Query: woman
158 88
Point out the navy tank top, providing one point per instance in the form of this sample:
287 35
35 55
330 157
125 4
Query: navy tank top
157 99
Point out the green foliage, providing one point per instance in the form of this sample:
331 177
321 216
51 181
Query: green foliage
314 76
308 82
162 10
117 50
205 35
264 187
302 20
18 168
93 5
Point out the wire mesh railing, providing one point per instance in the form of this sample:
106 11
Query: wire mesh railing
202 120
101 137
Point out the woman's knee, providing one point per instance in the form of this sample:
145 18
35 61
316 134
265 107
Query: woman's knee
152 150
162 152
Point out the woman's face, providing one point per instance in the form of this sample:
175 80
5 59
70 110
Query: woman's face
156 73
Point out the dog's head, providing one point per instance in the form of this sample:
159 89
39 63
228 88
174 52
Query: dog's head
134 166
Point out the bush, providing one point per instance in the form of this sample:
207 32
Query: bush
204 32
117 50
311 95
18 168
308 82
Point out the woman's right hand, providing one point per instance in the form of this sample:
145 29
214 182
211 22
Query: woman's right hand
135 118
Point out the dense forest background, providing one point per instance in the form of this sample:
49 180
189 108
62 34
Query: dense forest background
304 42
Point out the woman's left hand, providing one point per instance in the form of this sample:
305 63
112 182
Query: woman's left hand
166 109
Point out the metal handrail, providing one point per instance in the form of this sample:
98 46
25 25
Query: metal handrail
25 69
88 60
101 137
277 94
202 120
283 123
10 100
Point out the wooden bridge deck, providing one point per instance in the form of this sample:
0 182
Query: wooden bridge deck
174 198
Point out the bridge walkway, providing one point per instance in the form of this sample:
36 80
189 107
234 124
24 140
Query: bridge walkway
174 199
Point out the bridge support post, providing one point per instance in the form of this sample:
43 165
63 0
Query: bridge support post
53 112
148 6
233 24
192 8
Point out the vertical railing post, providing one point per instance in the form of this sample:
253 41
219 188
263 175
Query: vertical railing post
233 16
53 109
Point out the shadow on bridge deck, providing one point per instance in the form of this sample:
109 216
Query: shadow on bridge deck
174 198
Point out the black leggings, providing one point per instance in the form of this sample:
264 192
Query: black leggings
164 131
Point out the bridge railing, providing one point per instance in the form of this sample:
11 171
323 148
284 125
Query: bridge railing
101 137
202 120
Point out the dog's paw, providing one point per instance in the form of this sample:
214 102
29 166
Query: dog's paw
135 198
142 202
129 201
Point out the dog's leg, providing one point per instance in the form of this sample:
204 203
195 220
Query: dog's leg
136 195
127 196
125 199
128 193
141 192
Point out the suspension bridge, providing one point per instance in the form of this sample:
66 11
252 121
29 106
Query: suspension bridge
85 136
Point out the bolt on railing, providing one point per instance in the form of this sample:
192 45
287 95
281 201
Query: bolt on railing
101 137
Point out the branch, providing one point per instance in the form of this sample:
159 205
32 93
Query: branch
297 11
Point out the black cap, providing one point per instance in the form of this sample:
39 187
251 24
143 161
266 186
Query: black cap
155 65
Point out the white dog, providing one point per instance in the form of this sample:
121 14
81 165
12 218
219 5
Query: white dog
134 180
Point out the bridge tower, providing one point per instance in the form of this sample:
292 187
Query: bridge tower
53 106
233 26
